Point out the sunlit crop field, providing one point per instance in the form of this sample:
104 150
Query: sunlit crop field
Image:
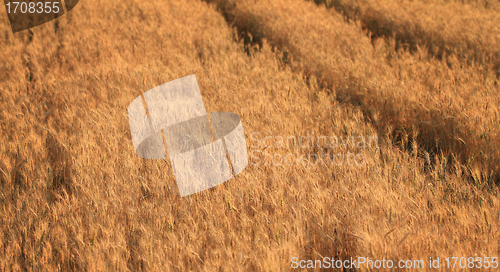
75 196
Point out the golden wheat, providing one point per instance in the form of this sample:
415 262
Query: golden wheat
469 31
454 109
74 196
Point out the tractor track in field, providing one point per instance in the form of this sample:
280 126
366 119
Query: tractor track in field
432 130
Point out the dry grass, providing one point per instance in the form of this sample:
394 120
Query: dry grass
74 196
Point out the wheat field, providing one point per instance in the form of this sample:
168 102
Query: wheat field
74 196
